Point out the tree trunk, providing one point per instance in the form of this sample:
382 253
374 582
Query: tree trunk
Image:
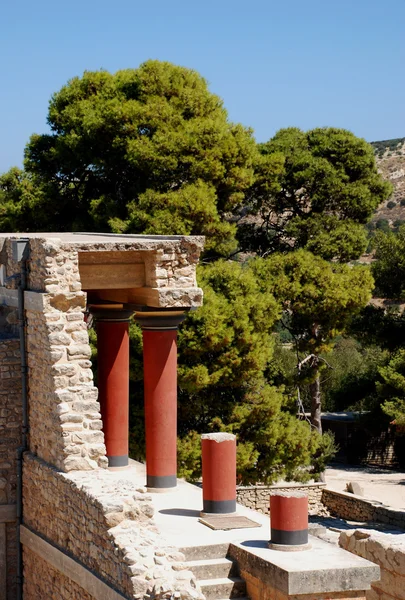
315 391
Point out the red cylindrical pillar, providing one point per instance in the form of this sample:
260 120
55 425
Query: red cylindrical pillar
113 383
289 520
159 327
160 381
219 472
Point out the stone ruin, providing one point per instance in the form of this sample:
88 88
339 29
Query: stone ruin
69 501
72 525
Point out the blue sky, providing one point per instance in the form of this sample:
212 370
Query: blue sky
304 63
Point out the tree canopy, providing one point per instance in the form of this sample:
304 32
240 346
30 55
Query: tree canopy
318 299
327 188
225 349
151 151
139 151
389 266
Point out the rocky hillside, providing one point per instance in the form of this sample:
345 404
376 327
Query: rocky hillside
390 155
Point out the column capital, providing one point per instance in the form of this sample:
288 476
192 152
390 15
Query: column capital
110 313
152 319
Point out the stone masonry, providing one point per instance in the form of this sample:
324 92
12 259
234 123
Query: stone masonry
69 500
10 440
108 524
258 497
86 531
385 550
65 422
356 508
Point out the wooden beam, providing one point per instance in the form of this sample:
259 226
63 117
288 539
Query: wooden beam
141 295
107 257
8 513
112 276
69 567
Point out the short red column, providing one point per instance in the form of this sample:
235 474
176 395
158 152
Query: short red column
113 382
219 472
160 390
289 520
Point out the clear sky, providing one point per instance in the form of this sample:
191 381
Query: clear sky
275 63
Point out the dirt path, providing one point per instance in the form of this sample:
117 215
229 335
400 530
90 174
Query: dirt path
378 484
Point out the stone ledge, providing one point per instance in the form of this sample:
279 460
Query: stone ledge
322 569
350 496
354 507
277 486
8 297
69 567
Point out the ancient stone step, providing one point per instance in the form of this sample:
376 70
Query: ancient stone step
213 568
223 587
205 552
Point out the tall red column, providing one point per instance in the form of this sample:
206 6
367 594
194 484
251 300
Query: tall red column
113 382
160 389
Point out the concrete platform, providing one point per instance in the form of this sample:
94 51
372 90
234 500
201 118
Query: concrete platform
323 568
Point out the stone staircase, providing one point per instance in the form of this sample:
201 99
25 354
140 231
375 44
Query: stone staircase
217 575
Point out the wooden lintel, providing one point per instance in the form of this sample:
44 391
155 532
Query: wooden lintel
112 276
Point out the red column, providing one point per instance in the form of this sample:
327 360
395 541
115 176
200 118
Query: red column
113 384
160 381
219 472
160 389
289 520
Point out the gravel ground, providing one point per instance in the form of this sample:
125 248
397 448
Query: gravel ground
378 484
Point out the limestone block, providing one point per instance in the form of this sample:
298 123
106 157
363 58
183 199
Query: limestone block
71 417
78 351
74 463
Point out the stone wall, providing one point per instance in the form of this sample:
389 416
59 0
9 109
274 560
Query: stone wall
105 523
71 501
385 550
356 508
259 590
42 580
64 414
10 440
65 420
257 497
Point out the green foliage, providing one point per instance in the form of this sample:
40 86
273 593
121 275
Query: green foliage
383 225
325 452
377 326
350 384
392 388
391 204
225 349
319 297
23 202
397 224
136 150
389 267
234 326
328 187
381 146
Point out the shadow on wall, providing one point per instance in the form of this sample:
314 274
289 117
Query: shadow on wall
8 323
